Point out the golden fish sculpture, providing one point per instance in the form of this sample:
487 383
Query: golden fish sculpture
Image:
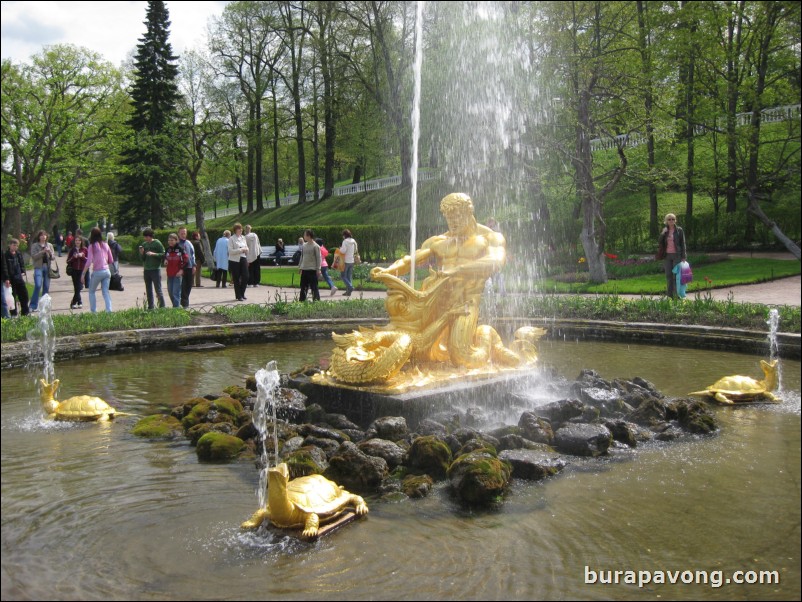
306 502
739 389
81 408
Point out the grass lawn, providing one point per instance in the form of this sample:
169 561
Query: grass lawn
714 275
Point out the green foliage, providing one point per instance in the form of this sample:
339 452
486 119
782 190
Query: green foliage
87 323
719 274
699 309
151 159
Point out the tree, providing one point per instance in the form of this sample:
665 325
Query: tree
380 57
770 21
200 128
153 157
60 130
592 68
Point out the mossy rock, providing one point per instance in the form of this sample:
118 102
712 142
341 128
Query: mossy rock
158 426
185 408
306 461
431 455
228 405
199 430
223 409
237 392
219 447
479 478
250 383
417 486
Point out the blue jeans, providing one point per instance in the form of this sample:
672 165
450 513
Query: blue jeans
103 278
41 284
174 289
326 277
347 275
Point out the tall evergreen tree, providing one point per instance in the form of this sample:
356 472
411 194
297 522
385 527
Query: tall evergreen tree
152 158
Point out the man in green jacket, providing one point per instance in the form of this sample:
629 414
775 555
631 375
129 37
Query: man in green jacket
152 253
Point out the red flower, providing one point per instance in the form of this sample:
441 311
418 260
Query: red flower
611 256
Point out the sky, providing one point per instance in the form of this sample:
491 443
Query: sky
111 28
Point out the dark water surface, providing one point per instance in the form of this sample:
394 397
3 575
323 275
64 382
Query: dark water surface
92 512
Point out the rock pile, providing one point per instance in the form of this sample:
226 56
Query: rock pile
390 458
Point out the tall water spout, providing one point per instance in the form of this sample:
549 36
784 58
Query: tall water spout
43 339
267 385
774 323
413 223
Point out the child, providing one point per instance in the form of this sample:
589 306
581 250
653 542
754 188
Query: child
175 259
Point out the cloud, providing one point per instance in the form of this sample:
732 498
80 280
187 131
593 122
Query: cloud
112 29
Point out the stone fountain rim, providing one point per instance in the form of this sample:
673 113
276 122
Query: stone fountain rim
15 355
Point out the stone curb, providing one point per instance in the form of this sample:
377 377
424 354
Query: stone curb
17 355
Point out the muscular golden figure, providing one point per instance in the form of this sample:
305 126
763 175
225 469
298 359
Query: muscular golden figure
439 322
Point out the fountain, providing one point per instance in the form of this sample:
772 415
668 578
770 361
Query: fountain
774 325
171 536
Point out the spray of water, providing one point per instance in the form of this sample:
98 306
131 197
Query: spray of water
43 343
774 323
267 386
413 222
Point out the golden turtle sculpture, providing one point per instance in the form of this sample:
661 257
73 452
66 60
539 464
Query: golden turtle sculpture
739 389
81 408
305 502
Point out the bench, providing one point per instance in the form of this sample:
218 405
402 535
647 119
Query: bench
268 255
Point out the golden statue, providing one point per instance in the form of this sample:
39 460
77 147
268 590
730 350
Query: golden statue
305 502
440 322
81 408
739 388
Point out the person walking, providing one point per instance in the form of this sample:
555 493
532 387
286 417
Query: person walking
254 252
309 266
200 256
14 276
116 249
238 261
348 249
671 246
189 269
175 259
99 257
324 266
152 253
221 259
42 253
76 260
58 238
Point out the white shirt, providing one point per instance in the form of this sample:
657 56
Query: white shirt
348 249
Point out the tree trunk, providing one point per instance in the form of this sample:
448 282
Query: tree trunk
592 239
259 181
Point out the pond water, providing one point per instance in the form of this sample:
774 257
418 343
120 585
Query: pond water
91 512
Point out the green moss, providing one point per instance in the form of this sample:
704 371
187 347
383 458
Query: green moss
237 392
301 463
228 405
431 455
219 447
417 486
479 477
196 432
158 426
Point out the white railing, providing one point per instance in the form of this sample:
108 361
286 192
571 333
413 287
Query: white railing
774 114
366 186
